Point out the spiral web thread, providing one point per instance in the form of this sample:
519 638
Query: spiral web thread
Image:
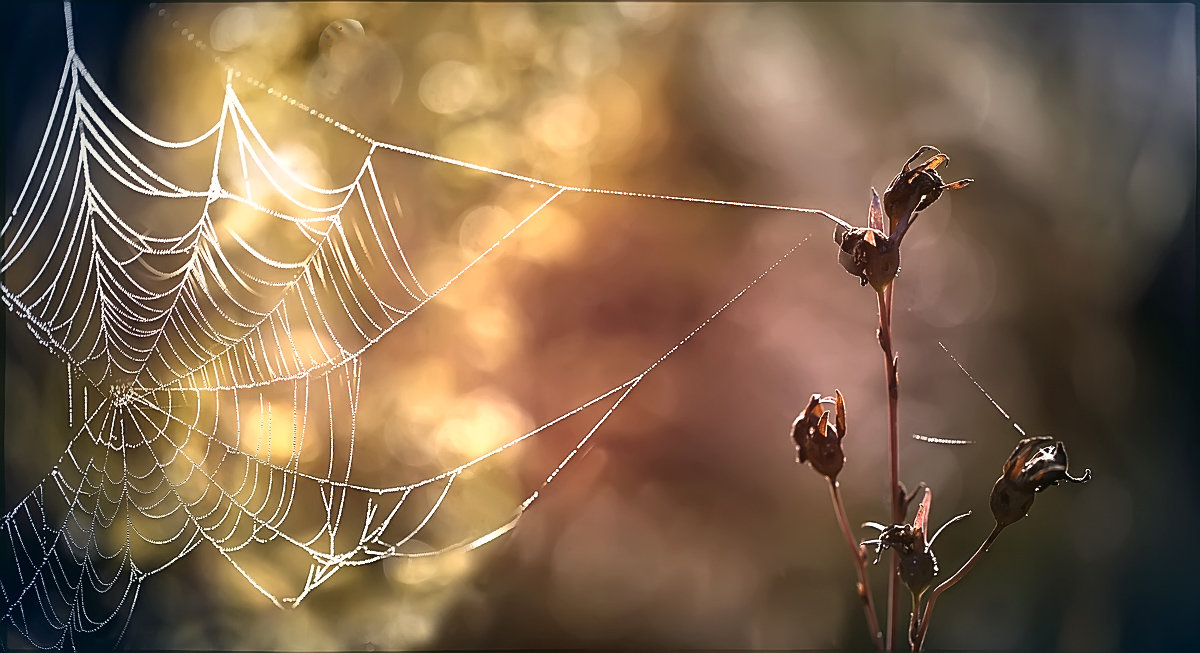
172 332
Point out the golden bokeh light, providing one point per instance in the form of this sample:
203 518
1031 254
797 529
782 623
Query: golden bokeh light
310 347
479 422
482 226
269 432
556 236
425 389
233 28
566 124
493 334
619 110
449 87
425 572
485 142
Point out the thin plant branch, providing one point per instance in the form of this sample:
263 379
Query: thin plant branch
860 562
893 392
914 623
919 640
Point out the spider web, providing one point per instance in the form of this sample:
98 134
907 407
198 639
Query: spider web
214 369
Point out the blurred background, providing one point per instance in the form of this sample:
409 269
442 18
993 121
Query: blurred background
1063 279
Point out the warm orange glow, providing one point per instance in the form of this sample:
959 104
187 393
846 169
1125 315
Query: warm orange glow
268 432
480 422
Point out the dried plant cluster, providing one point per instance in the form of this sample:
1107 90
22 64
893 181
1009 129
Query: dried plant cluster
873 256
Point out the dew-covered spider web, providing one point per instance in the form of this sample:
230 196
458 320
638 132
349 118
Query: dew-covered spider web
212 327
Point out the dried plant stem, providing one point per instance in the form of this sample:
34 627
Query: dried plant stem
860 561
893 391
913 622
919 641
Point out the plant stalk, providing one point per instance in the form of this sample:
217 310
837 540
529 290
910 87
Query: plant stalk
919 641
893 392
860 561
914 623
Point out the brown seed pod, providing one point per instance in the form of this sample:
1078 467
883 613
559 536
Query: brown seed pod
1034 465
870 254
866 252
913 545
914 190
818 442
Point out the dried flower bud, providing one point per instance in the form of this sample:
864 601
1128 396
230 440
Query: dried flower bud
818 442
918 565
914 190
866 252
1034 465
